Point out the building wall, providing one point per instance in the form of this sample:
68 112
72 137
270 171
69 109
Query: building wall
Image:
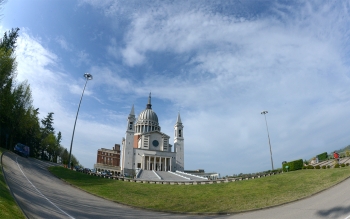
109 157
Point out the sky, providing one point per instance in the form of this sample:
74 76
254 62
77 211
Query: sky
218 63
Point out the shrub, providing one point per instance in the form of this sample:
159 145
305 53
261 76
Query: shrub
324 167
347 164
336 165
310 167
293 165
328 166
322 157
342 165
317 167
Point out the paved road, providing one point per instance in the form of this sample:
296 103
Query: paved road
43 196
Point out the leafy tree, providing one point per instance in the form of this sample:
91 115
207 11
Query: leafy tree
47 125
48 138
8 42
7 83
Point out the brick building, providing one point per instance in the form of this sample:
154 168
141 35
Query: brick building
108 160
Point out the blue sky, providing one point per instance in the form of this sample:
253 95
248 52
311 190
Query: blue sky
219 63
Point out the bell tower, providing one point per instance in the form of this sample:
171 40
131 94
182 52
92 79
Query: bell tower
179 144
128 143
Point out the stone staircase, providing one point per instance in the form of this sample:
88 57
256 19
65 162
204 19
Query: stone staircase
148 175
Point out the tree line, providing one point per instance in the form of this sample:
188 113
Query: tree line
19 119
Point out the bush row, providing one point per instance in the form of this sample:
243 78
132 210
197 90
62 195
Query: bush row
322 157
293 165
324 167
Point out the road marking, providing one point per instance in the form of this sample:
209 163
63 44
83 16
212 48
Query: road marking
42 193
348 217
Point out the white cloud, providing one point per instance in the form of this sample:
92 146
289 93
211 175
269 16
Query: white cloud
81 57
63 43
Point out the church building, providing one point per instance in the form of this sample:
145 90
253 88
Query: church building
146 147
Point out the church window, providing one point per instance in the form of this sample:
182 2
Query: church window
180 133
130 126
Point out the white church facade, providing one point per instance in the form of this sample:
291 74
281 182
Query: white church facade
146 147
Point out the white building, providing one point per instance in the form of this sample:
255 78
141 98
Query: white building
146 147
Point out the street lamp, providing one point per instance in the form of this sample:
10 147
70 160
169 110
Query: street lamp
87 76
268 135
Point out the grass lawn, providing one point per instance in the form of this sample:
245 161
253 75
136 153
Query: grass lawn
210 198
8 206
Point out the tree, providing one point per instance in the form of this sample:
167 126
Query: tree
8 42
7 83
48 139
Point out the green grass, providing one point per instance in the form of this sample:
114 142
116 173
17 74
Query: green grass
210 198
8 206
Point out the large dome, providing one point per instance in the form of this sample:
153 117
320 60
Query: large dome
147 120
148 115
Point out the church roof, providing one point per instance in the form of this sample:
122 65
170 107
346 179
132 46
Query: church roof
148 114
151 132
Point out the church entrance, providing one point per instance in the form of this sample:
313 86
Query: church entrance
156 163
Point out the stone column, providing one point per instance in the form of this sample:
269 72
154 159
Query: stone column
160 163
141 162
170 163
154 163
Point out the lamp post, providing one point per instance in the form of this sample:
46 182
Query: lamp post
87 76
268 135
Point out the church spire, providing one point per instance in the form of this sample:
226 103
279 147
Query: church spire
149 105
132 112
178 118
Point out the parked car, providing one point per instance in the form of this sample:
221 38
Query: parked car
21 149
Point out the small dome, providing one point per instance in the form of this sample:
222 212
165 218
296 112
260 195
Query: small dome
148 115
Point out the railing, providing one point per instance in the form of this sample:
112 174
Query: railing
138 172
179 175
191 174
157 175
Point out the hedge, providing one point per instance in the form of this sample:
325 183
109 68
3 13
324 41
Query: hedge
322 157
293 165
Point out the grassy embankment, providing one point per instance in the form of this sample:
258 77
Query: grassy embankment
8 206
210 198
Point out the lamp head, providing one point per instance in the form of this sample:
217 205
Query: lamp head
88 76
264 112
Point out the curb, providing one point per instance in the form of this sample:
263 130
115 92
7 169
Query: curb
2 169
